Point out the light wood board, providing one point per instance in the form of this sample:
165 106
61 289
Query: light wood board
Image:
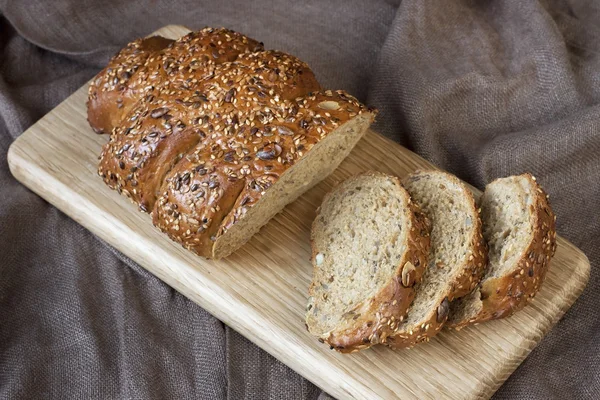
261 290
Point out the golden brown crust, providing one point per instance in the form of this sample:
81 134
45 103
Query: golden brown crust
503 296
223 108
381 314
197 196
147 67
113 91
144 147
213 97
429 328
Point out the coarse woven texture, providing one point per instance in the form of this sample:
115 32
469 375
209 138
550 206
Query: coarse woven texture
483 89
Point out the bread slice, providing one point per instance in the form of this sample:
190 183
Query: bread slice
457 255
519 227
369 248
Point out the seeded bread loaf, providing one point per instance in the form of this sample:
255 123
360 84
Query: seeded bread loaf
370 244
456 258
519 227
214 135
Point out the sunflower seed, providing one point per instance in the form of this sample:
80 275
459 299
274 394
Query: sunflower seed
408 274
284 130
329 105
159 112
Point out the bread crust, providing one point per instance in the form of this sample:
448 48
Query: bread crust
503 296
213 107
380 315
146 66
472 272
114 90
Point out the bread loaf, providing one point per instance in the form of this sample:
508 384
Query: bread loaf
370 245
214 135
457 254
519 227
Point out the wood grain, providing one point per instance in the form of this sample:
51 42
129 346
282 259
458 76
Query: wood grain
261 290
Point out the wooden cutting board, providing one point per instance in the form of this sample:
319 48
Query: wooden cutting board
261 290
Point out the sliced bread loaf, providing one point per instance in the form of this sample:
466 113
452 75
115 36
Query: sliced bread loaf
457 255
369 248
519 227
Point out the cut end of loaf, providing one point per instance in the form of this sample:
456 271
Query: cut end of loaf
315 166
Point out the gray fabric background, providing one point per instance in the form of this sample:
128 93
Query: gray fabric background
481 88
